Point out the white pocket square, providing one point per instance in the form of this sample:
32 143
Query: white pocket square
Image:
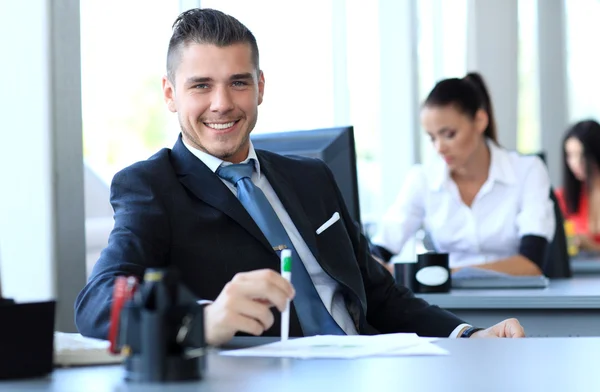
334 218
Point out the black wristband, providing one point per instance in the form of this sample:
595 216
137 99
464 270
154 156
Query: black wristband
470 331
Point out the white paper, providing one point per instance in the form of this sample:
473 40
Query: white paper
355 346
73 349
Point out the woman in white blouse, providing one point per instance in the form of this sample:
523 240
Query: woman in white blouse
484 205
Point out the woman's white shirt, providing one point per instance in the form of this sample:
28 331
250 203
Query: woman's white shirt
513 202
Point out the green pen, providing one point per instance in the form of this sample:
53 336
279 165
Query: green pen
286 272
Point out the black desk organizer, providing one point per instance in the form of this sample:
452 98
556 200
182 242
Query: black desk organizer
26 338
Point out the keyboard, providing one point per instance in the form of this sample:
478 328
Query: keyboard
477 278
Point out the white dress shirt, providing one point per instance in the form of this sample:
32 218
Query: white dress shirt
327 288
513 202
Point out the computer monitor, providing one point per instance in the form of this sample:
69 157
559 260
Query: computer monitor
334 146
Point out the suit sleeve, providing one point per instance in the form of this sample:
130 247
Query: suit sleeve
392 308
139 240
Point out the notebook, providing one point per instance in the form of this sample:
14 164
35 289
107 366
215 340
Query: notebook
478 278
72 349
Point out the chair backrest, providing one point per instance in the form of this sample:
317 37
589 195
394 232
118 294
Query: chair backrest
557 263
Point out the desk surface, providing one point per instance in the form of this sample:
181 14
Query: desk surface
581 292
558 364
585 264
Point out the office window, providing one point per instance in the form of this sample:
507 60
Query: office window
363 71
123 56
528 131
583 61
442 49
296 58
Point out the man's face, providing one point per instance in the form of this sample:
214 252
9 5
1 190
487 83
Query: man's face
216 96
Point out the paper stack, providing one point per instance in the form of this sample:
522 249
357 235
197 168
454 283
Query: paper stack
356 346
72 349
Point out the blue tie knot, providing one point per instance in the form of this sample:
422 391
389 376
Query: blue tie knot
237 171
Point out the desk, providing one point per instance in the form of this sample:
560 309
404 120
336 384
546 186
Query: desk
585 265
568 307
547 365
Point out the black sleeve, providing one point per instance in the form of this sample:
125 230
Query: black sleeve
534 248
381 252
139 240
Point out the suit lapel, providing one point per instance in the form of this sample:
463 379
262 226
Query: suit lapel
288 197
208 187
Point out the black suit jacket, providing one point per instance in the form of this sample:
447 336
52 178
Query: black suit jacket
172 210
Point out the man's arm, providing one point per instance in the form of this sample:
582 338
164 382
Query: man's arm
139 240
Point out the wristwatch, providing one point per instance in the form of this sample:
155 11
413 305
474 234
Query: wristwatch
470 331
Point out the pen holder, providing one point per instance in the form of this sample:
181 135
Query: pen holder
161 331
26 338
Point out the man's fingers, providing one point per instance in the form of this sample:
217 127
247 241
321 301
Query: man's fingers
270 277
514 329
247 325
268 286
256 310
244 305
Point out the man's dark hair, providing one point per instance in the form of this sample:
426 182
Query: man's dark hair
206 26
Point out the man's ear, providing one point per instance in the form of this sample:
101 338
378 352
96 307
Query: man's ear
169 94
261 86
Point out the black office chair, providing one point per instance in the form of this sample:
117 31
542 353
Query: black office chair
557 263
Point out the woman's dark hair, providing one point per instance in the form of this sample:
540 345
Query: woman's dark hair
588 133
469 95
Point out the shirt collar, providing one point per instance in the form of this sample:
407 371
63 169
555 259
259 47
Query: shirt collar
214 163
501 169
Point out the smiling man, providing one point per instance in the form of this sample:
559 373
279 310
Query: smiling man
218 211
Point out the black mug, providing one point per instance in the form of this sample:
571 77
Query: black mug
432 273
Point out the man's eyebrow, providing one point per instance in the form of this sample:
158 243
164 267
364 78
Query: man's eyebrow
200 79
197 80
246 75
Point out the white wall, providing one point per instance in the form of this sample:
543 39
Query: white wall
26 196
41 198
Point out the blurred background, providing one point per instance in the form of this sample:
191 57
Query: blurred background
83 84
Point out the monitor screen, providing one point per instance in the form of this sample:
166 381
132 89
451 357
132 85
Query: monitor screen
334 146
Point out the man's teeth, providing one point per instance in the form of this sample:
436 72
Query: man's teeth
220 126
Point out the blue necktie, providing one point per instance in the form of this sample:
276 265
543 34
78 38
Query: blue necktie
312 314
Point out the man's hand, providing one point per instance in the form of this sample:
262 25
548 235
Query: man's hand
506 329
244 305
